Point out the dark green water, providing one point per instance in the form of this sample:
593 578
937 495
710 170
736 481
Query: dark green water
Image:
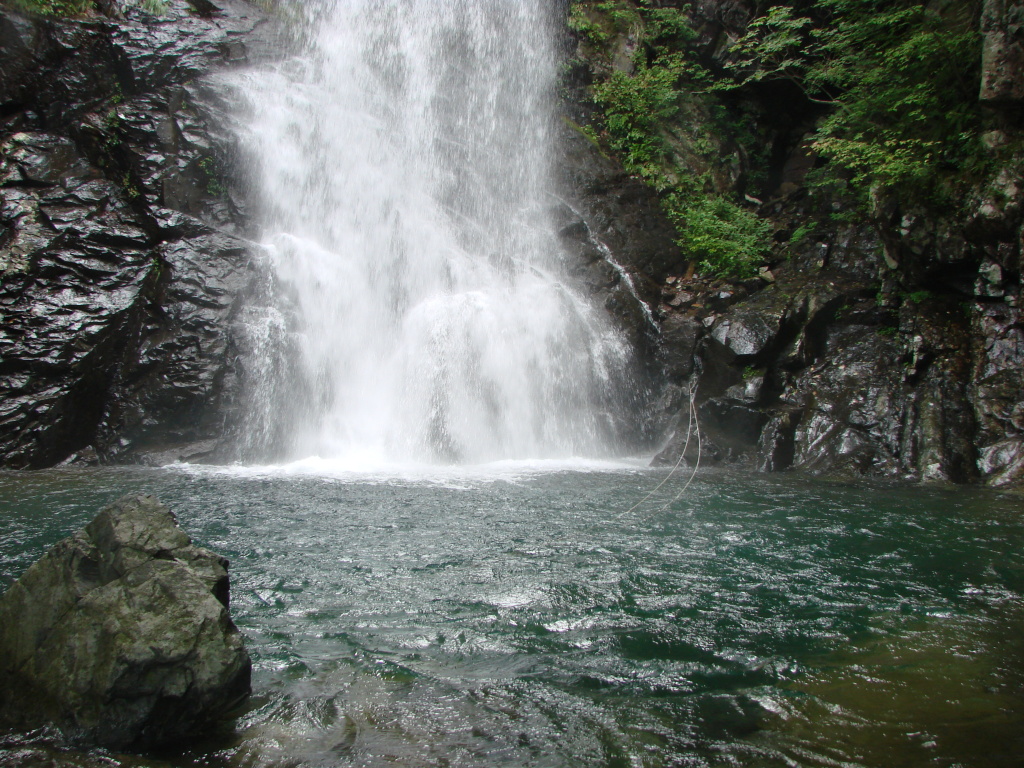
525 620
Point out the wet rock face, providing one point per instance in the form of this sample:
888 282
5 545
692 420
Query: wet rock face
619 241
884 342
120 635
818 372
70 296
121 269
883 403
618 210
998 391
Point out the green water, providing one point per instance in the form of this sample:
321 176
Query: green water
526 619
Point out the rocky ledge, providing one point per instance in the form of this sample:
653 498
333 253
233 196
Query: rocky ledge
120 635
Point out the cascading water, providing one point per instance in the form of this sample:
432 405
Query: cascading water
420 309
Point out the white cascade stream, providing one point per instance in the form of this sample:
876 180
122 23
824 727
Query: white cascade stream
421 309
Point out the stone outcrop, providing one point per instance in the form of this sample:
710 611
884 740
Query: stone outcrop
812 373
889 348
122 260
608 220
120 635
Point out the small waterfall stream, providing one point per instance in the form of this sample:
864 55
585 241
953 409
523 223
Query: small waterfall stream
419 308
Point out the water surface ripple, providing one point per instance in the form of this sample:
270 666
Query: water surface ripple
520 618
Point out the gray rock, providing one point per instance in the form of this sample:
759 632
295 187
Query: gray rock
619 210
1003 462
78 276
746 335
120 635
997 393
1002 66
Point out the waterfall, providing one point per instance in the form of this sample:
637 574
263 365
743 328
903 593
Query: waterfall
418 307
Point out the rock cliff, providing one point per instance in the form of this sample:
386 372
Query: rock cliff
884 344
121 256
887 344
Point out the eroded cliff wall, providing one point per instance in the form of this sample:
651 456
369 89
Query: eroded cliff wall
885 340
121 251
880 339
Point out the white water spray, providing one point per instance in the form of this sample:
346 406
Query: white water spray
404 164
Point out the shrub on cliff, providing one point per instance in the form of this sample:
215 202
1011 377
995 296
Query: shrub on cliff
637 104
901 81
727 239
893 82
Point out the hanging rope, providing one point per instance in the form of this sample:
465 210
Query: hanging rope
696 464
690 428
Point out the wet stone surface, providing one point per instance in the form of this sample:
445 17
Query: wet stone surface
120 264
120 636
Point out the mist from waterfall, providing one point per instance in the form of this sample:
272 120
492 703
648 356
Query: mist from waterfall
418 308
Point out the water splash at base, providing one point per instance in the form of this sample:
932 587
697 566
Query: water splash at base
404 169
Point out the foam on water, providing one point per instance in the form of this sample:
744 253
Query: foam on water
366 468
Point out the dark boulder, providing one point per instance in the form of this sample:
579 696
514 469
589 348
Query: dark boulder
814 374
998 391
120 635
621 212
618 241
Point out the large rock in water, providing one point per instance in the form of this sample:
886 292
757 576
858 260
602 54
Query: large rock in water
120 634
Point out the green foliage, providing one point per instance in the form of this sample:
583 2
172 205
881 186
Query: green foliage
600 22
803 232
153 7
773 48
896 81
635 105
638 103
586 131
112 127
667 26
580 23
129 187
214 186
621 14
727 240
918 297
900 76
